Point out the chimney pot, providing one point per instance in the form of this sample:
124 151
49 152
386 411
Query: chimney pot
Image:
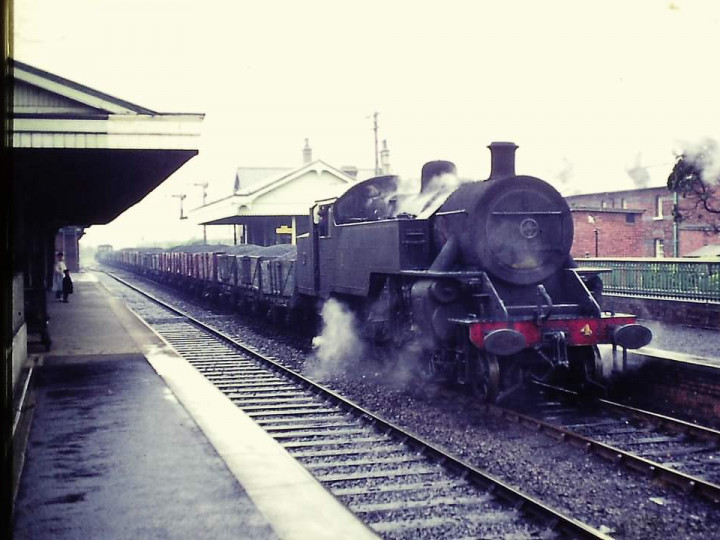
385 158
307 153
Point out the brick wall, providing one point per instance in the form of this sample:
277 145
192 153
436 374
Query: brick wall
653 223
619 234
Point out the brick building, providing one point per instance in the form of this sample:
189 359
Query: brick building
634 223
607 232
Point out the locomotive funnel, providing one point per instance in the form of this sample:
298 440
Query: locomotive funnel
502 160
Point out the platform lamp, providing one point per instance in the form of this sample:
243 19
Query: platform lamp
204 186
181 196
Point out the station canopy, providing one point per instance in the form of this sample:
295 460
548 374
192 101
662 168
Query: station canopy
82 157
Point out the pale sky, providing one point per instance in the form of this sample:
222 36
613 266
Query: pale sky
587 90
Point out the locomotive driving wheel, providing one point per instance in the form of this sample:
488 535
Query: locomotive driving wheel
485 380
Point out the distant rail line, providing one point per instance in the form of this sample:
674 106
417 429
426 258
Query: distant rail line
676 452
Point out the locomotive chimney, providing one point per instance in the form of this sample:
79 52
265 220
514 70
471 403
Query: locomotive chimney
435 168
502 160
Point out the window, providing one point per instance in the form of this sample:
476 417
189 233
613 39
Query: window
623 203
607 203
658 207
659 248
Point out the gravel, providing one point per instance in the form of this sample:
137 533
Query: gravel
622 503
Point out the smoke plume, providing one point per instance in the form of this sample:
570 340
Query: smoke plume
565 178
639 173
565 175
409 201
705 155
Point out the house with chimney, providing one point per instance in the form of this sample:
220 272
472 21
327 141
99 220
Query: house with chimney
271 205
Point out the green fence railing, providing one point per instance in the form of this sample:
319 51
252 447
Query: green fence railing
686 279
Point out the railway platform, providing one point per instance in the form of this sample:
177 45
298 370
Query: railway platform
127 440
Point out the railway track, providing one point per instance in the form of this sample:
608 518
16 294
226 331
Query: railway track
401 486
674 451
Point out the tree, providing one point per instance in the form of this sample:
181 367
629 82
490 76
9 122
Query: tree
696 179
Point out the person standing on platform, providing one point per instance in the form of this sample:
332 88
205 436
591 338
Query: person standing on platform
67 286
58 275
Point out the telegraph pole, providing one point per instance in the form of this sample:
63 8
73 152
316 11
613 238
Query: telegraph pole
181 196
204 186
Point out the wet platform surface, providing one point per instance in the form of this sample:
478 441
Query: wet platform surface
113 453
701 343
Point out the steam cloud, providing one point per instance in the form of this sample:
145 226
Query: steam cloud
639 173
410 202
704 154
340 351
338 344
565 176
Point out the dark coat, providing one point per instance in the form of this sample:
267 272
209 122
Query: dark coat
67 287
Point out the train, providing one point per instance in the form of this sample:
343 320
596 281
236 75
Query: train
477 275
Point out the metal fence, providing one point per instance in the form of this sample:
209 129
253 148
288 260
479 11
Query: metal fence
685 279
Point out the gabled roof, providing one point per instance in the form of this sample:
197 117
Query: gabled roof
76 92
247 176
274 182
81 156
50 111
258 199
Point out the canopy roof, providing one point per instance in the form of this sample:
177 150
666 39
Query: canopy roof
82 157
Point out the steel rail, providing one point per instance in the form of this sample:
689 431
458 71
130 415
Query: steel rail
524 504
687 483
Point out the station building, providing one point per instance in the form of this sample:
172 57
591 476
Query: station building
270 205
635 223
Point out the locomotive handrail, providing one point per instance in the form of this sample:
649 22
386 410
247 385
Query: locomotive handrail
528 213
670 279
451 212
591 270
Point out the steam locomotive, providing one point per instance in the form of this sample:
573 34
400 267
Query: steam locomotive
478 276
